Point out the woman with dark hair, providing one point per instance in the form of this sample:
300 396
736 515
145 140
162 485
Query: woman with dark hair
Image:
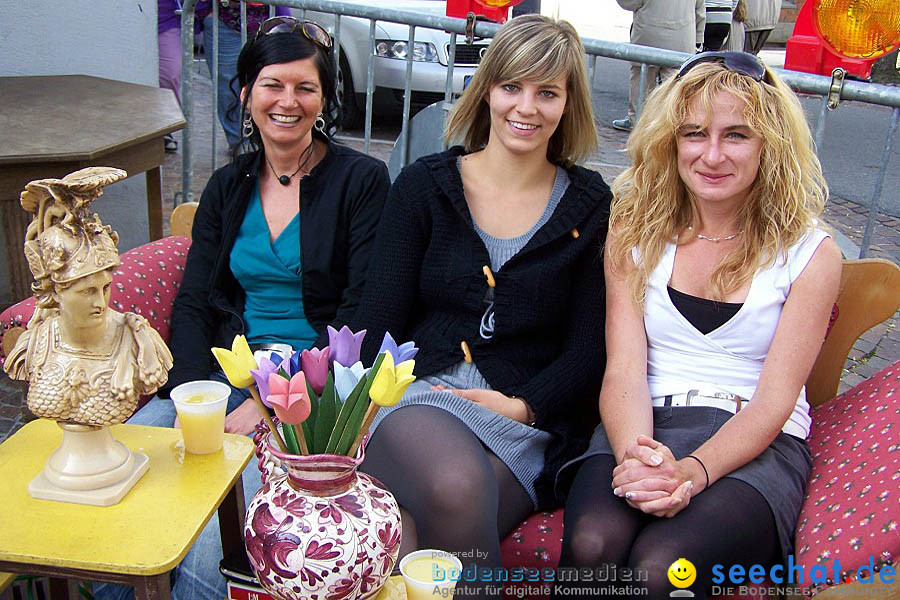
281 240
282 235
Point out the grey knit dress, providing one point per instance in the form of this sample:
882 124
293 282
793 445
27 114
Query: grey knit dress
519 446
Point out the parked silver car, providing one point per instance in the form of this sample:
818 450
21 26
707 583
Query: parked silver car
430 56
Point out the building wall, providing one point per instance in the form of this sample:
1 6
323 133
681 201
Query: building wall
115 39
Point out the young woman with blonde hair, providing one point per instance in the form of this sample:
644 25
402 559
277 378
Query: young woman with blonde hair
488 257
720 282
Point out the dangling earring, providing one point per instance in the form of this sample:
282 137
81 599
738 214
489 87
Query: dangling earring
247 127
320 123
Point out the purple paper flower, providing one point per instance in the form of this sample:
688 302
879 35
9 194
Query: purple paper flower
261 376
345 345
285 365
401 353
315 366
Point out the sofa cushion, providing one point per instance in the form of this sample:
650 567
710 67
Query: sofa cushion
534 544
145 283
851 509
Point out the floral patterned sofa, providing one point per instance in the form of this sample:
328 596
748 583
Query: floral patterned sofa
852 509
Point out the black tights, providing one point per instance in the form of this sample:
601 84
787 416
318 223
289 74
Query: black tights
456 495
730 523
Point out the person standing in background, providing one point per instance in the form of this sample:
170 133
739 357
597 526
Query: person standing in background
229 47
169 41
669 24
762 15
718 23
735 41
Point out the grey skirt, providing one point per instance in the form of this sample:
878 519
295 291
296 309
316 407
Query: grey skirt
520 447
780 473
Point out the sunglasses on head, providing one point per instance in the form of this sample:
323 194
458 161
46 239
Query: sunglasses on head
736 62
313 31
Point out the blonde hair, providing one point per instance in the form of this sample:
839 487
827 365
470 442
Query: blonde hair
652 206
531 48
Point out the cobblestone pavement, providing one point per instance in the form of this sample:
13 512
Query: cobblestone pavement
876 349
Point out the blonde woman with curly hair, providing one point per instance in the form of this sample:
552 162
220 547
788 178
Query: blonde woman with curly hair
720 281
488 255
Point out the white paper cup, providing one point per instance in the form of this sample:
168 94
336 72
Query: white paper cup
430 574
201 413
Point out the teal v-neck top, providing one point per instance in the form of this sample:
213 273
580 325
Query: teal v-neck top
270 274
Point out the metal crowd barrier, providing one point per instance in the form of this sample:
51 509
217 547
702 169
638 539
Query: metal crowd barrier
832 89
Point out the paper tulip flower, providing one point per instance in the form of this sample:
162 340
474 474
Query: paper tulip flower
237 362
261 376
286 366
314 364
390 383
403 352
289 398
346 378
345 345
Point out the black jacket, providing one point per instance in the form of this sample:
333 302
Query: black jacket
340 204
425 283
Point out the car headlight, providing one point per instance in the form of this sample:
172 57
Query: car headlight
422 51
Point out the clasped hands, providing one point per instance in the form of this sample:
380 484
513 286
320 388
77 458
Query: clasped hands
653 481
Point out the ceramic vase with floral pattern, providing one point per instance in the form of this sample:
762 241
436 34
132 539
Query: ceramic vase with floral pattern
319 530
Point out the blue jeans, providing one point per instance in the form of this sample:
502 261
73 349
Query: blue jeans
197 577
229 49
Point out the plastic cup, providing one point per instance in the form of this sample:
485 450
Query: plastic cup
430 574
201 412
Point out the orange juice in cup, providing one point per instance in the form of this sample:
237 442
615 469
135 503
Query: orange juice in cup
430 574
201 412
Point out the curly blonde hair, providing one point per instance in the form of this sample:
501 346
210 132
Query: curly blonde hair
652 206
530 48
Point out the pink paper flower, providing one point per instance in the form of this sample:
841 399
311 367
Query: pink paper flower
289 398
314 364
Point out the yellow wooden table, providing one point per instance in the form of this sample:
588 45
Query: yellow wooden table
139 540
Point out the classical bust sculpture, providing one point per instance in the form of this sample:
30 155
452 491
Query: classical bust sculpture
87 365
85 362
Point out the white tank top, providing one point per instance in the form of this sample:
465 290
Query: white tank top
679 356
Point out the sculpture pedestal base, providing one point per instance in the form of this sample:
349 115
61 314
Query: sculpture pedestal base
89 467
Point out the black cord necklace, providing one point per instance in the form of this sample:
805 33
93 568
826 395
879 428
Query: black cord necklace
285 180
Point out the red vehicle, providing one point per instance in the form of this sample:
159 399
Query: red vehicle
850 34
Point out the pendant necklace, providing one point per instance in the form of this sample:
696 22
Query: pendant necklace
716 239
285 180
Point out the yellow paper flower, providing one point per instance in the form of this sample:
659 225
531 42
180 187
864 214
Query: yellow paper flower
237 362
391 382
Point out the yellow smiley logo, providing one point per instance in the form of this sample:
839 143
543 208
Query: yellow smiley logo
682 573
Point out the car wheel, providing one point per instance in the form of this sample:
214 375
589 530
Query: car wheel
351 116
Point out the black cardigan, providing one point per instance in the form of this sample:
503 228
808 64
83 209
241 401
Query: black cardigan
425 283
340 204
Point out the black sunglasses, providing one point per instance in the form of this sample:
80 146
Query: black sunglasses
313 31
736 62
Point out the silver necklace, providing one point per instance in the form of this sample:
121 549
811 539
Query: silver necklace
716 239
